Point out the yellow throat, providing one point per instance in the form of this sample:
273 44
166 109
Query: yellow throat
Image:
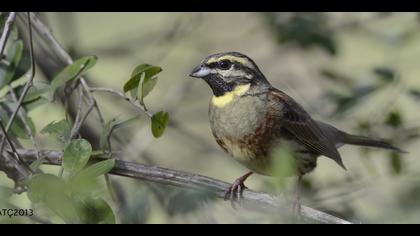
225 99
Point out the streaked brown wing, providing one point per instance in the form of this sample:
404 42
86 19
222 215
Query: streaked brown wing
305 130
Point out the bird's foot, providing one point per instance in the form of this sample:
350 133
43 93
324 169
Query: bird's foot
235 191
296 207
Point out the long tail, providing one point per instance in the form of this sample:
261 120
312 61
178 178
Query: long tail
368 142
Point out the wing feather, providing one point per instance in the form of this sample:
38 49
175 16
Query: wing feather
303 128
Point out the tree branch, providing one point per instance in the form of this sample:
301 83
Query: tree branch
122 96
26 88
64 57
5 35
187 180
22 114
6 31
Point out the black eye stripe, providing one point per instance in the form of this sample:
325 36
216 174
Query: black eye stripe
238 65
212 65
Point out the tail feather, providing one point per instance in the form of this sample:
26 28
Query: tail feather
368 142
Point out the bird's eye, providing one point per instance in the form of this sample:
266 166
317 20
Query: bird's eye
224 65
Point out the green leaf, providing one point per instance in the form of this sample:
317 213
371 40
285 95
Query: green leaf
147 86
336 77
9 65
50 190
37 90
18 127
60 129
345 102
29 106
394 119
73 71
284 165
84 186
396 163
2 20
36 164
5 193
159 122
415 94
76 155
133 82
96 169
385 74
96 211
37 95
23 66
41 185
85 182
142 81
149 79
303 29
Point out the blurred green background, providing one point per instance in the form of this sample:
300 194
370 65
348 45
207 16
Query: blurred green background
357 71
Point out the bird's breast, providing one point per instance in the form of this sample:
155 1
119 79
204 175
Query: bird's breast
240 117
242 129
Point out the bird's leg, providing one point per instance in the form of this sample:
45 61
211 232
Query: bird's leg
296 207
237 188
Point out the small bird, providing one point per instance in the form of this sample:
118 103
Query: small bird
249 118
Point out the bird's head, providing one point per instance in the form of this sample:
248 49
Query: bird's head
225 72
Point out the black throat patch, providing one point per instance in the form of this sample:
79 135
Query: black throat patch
218 85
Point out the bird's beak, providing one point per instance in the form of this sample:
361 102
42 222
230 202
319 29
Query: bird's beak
200 71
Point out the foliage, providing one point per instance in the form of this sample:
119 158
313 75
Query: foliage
71 72
370 99
76 195
159 122
143 80
16 59
306 30
60 129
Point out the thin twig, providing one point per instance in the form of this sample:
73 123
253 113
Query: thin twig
78 113
79 118
121 95
182 179
82 120
27 86
6 32
22 114
62 55
65 57
3 41
15 153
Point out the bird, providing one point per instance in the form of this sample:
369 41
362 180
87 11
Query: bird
250 118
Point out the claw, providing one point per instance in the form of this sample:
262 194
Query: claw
235 191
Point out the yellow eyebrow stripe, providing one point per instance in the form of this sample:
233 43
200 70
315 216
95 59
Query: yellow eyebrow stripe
241 60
